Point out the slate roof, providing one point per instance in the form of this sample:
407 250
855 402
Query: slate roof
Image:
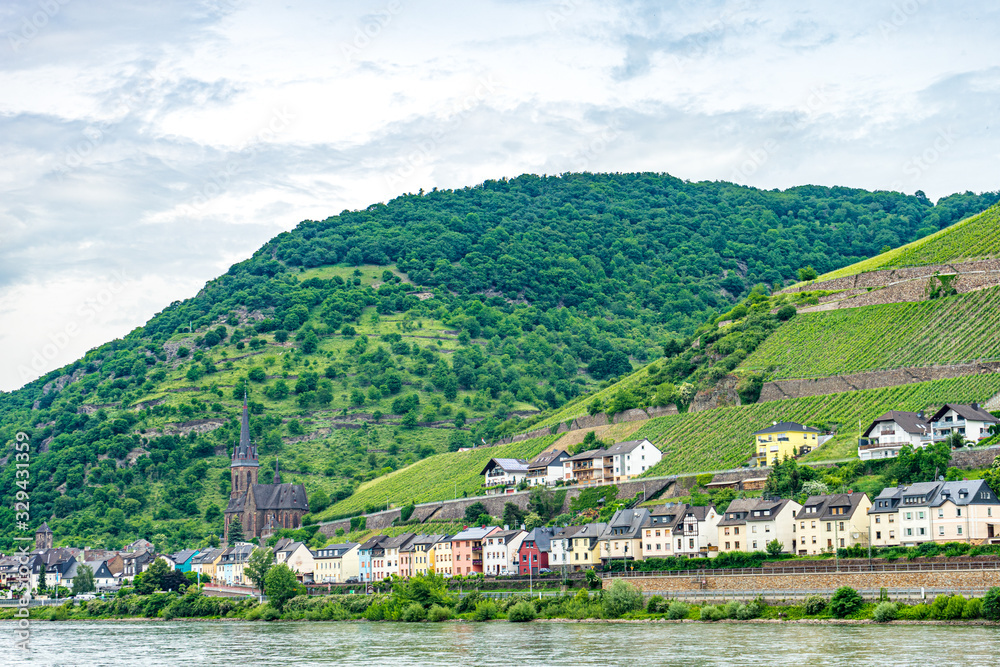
44 528
339 550
371 543
972 488
280 497
589 454
824 503
773 507
782 427
542 537
626 524
208 556
740 507
545 459
911 422
508 465
624 447
182 556
399 541
972 412
476 533
245 454
288 548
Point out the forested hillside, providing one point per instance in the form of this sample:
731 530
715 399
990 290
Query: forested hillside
378 338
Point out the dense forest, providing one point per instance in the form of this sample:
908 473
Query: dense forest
376 338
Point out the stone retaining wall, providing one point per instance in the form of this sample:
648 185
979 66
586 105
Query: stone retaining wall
593 421
741 583
885 277
781 389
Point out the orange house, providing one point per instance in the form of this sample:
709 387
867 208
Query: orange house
467 549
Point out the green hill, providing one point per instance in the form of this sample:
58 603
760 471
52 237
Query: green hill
955 329
381 338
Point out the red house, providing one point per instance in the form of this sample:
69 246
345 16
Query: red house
534 551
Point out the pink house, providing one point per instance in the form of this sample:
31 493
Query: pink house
467 549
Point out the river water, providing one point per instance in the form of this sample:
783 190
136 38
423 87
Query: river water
241 644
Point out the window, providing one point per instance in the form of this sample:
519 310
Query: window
892 534
959 530
878 534
736 531
923 531
958 512
753 529
829 526
690 543
755 545
909 516
814 539
814 525
909 532
920 515
841 526
940 530
727 546
737 545
940 512
892 518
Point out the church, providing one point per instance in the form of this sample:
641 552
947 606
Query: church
260 508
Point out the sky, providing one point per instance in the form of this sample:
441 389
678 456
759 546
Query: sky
147 146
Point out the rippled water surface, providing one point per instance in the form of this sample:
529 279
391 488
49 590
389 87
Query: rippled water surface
232 643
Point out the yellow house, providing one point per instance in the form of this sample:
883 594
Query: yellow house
783 440
585 547
205 564
441 557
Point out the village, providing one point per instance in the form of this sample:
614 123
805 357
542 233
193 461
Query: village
939 511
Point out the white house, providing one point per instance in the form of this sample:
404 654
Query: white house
546 468
336 563
297 556
696 533
503 475
971 421
888 433
500 551
632 458
772 520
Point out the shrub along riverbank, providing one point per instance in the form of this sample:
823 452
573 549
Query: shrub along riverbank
426 598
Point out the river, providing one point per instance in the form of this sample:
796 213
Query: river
196 644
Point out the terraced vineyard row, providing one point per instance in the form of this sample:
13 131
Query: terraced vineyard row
721 438
974 237
438 477
852 340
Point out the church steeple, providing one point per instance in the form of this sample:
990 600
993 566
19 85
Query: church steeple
244 463
277 476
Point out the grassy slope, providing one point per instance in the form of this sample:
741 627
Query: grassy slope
951 330
721 438
977 236
439 477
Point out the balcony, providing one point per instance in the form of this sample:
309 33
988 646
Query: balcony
477 561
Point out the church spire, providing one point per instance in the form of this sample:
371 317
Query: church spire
277 476
245 454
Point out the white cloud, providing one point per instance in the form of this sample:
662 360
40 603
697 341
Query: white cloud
170 140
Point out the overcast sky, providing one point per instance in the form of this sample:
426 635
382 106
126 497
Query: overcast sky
147 146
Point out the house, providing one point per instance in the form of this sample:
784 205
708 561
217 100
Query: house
368 553
500 551
783 440
889 432
618 463
229 571
389 565
503 475
59 565
467 549
442 557
833 521
546 468
335 563
182 559
883 515
622 537
415 557
298 557
139 545
112 559
772 519
135 562
733 526
680 529
206 562
104 578
533 554
972 422
561 548
585 547
959 511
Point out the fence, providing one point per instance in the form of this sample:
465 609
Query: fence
811 569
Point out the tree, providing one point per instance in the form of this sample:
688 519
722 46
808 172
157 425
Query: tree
42 583
260 563
955 440
152 579
236 531
281 586
807 273
83 582
542 501
513 515
845 601
404 513
473 511
774 548
814 487
319 501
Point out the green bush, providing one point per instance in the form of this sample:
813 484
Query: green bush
414 613
468 603
815 604
269 613
991 604
747 611
731 609
917 612
885 612
522 612
845 602
653 604
711 612
939 608
621 598
677 610
955 608
973 609
437 613
486 610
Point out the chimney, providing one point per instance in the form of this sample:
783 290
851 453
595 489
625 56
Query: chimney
975 406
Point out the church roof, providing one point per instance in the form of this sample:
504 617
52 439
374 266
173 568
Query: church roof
245 453
279 497
44 528
236 504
